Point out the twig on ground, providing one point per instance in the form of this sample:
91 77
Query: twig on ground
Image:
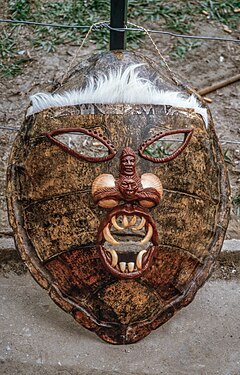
218 85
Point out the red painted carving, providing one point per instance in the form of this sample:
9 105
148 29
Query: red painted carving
78 155
128 182
128 187
187 136
126 195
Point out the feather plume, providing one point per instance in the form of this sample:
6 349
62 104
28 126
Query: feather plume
117 87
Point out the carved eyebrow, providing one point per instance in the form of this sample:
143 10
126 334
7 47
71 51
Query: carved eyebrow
187 136
83 156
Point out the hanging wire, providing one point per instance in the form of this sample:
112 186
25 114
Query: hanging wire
58 25
107 26
154 44
94 26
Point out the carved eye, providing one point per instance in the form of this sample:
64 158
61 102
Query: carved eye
167 146
83 144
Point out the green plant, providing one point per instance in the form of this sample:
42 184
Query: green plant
20 9
158 149
227 157
236 204
11 69
183 46
222 11
7 45
10 64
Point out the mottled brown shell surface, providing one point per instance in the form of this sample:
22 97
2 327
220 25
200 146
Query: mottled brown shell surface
55 219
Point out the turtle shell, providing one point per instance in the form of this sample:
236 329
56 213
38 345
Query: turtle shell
124 229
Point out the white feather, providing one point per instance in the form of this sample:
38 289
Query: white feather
117 87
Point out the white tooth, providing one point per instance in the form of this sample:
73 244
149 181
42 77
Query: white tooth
131 266
122 266
132 221
108 237
114 257
141 225
148 236
115 224
139 259
125 221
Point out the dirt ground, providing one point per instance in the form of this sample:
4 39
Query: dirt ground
209 63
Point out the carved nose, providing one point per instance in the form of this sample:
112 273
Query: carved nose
127 162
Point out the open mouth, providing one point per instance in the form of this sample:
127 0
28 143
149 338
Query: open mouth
127 240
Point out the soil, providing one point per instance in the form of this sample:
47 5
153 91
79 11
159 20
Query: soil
209 63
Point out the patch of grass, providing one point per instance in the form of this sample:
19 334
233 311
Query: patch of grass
10 65
11 69
7 45
73 12
158 149
222 11
227 157
236 204
179 17
19 9
183 46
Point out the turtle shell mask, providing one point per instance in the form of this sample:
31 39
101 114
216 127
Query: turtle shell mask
118 196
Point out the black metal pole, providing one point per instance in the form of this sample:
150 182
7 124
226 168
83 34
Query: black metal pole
118 19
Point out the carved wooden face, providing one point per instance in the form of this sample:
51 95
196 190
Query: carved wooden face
115 211
127 237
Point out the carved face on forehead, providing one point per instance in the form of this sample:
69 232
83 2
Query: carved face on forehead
125 145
